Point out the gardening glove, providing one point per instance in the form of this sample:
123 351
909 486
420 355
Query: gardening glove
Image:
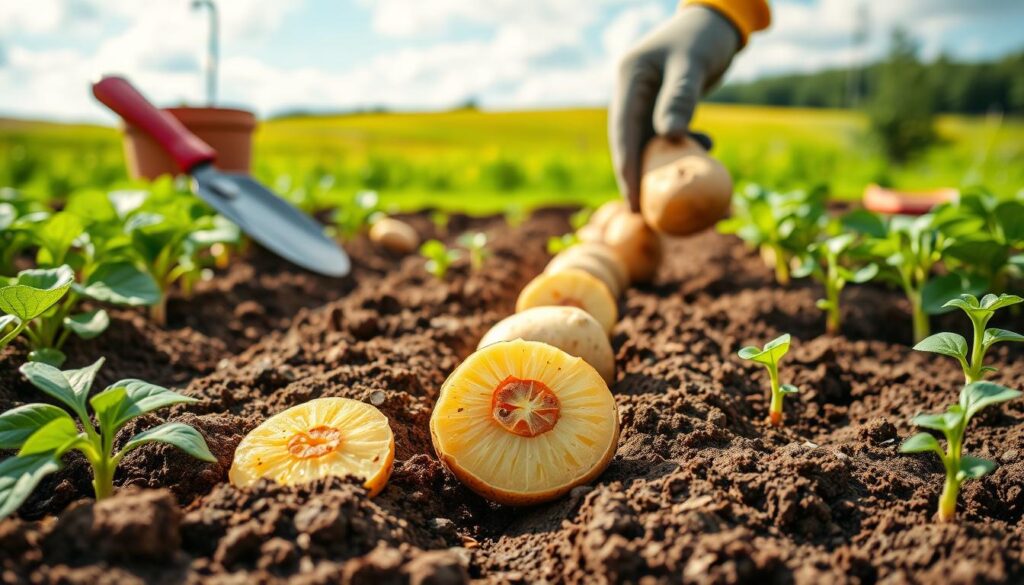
663 76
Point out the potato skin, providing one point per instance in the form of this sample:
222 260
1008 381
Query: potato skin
637 245
587 263
394 235
570 329
683 189
603 214
605 255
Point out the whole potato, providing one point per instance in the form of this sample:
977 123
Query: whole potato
603 214
570 329
394 235
683 190
637 245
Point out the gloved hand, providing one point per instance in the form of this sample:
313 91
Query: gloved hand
659 83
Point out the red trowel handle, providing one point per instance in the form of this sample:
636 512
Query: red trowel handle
184 147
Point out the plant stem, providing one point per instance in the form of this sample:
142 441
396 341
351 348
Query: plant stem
974 373
103 478
781 267
832 315
947 501
775 408
158 312
922 328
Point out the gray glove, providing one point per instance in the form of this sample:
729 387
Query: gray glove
659 83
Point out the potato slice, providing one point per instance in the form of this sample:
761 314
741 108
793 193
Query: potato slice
320 438
571 288
586 263
522 422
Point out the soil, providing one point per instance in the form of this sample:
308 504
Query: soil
700 489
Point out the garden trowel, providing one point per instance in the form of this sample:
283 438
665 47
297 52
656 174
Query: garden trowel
261 214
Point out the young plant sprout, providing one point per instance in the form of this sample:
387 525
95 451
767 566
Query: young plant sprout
440 220
769 357
439 257
43 433
476 244
953 425
828 262
955 346
356 215
577 221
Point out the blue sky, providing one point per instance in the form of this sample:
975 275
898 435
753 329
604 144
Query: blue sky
413 54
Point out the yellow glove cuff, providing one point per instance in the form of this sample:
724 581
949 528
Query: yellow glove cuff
748 16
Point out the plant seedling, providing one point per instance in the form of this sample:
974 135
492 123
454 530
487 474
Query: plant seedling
955 346
769 357
41 303
43 433
828 262
476 244
439 257
440 220
780 225
953 425
355 216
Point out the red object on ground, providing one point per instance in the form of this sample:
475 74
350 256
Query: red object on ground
882 200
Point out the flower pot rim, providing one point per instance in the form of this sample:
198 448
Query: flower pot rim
207 117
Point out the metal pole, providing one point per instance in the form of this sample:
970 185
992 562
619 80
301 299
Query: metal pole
212 50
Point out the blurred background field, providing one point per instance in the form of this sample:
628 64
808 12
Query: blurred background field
481 162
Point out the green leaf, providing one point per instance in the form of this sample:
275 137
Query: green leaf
122 283
36 291
938 422
1010 217
921 443
18 424
139 398
864 274
50 356
20 475
177 434
107 405
939 292
865 222
53 382
788 389
995 335
945 343
992 302
56 235
770 354
808 266
81 379
975 467
55 436
977 395
88 325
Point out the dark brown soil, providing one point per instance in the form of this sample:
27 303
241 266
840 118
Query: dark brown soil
700 489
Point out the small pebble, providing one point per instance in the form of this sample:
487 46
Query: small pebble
377 397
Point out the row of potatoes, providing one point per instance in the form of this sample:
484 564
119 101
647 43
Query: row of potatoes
529 415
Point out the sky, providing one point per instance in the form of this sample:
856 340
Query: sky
329 55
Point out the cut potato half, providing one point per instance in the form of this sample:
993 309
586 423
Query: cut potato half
522 422
321 438
571 330
571 287
604 254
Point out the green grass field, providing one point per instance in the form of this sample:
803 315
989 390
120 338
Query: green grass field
485 162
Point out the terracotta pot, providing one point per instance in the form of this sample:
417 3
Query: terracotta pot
228 131
883 200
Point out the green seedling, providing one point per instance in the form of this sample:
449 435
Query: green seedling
780 225
440 220
43 433
953 425
476 244
565 241
769 357
830 263
355 216
955 346
174 236
909 249
439 257
986 237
